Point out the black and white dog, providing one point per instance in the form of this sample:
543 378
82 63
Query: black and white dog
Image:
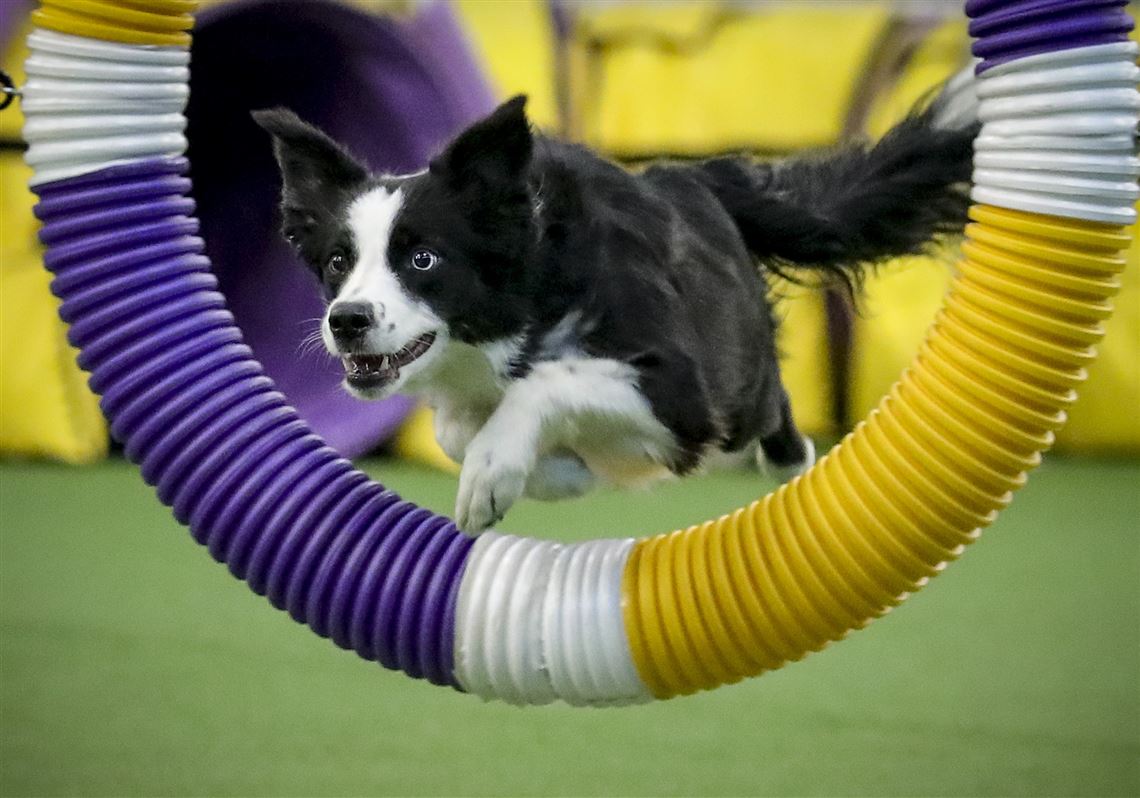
572 322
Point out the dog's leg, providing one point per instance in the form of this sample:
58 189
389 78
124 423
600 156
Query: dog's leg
560 475
455 427
786 452
549 409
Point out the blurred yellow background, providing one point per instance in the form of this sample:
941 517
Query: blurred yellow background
638 81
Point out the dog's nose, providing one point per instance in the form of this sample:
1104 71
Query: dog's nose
349 320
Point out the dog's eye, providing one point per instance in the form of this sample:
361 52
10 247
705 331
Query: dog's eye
424 259
337 264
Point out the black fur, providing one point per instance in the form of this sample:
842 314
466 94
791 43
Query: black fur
474 208
842 210
665 270
319 179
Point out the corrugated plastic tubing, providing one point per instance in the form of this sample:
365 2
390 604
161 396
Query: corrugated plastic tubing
883 512
1008 31
908 489
221 446
913 484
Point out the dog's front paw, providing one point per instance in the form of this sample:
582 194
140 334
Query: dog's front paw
491 480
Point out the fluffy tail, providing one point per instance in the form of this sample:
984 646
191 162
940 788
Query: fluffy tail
842 210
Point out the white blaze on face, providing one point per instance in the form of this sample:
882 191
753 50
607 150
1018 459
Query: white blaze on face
400 317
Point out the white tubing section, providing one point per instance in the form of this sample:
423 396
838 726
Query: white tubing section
539 621
92 104
1059 136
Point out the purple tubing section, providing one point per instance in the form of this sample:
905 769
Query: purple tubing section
1008 31
219 443
978 8
1034 12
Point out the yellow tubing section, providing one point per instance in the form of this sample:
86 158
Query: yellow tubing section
153 22
908 489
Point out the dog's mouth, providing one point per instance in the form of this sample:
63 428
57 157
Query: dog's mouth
369 372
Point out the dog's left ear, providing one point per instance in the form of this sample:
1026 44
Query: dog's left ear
493 152
317 175
315 170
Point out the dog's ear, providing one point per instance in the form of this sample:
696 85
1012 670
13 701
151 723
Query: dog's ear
317 174
493 152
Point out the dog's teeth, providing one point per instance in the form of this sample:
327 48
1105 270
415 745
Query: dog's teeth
386 366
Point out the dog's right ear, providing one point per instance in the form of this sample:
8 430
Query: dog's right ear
317 174
492 154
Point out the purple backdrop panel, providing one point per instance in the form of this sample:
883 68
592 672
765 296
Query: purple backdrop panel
12 16
393 90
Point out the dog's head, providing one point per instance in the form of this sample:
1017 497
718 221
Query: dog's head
410 263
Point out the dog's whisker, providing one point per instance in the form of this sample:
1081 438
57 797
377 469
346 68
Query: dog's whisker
310 344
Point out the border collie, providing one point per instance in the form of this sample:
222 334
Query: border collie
574 323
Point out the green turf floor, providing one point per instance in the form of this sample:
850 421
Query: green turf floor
132 664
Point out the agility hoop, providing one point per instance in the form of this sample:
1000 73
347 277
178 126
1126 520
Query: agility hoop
607 621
